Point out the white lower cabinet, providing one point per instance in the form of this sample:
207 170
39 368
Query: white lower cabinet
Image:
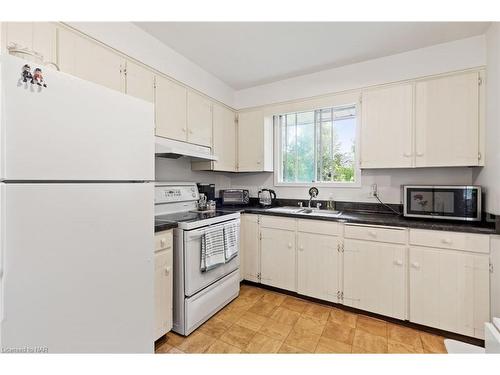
438 279
318 266
249 247
374 277
163 283
449 290
277 254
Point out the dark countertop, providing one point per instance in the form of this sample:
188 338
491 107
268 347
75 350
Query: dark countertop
381 219
161 226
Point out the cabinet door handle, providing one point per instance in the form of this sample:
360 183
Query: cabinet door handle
372 233
420 154
163 242
190 131
446 241
183 130
167 270
407 154
289 245
415 265
398 262
301 248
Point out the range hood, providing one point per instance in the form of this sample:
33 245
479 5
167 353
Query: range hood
169 148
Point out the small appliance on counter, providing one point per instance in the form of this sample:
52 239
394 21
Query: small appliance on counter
267 197
442 202
234 197
207 189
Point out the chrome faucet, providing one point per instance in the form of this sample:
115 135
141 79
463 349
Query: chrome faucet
313 193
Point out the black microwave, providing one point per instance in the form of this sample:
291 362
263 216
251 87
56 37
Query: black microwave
442 202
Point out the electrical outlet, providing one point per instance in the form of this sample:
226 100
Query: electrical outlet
373 190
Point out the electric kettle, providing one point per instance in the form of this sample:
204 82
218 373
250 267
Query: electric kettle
267 197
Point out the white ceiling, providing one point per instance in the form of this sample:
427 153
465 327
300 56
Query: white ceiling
246 54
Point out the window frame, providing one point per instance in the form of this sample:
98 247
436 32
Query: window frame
278 154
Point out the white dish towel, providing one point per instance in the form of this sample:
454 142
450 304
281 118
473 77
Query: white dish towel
212 249
231 240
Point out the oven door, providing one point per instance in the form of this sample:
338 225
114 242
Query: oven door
443 202
194 279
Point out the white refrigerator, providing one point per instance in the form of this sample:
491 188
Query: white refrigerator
76 224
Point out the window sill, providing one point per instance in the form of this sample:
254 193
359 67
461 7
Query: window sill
320 184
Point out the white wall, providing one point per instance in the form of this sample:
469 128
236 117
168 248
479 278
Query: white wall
180 170
489 176
388 182
446 57
135 42
457 55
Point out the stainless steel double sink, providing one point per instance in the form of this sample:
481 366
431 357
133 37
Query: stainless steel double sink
305 211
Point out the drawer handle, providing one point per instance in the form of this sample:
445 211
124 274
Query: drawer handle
167 270
163 242
420 154
372 233
398 262
407 154
415 265
446 241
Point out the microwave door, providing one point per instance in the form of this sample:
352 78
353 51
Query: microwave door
452 203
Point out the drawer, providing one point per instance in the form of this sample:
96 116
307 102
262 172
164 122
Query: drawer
277 222
163 240
331 228
375 233
477 243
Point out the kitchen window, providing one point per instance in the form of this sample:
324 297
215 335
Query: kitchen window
318 146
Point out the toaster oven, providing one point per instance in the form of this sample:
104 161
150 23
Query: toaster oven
233 197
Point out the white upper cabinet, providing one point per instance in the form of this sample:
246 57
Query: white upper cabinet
199 119
39 37
386 127
171 108
255 142
89 60
224 142
139 81
447 121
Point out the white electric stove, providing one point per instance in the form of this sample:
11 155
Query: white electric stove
197 295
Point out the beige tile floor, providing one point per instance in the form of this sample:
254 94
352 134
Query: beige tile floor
261 321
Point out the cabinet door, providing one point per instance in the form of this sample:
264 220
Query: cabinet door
39 37
163 292
277 254
386 127
139 82
449 290
250 259
374 277
199 119
170 105
89 60
447 121
251 141
318 266
224 142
